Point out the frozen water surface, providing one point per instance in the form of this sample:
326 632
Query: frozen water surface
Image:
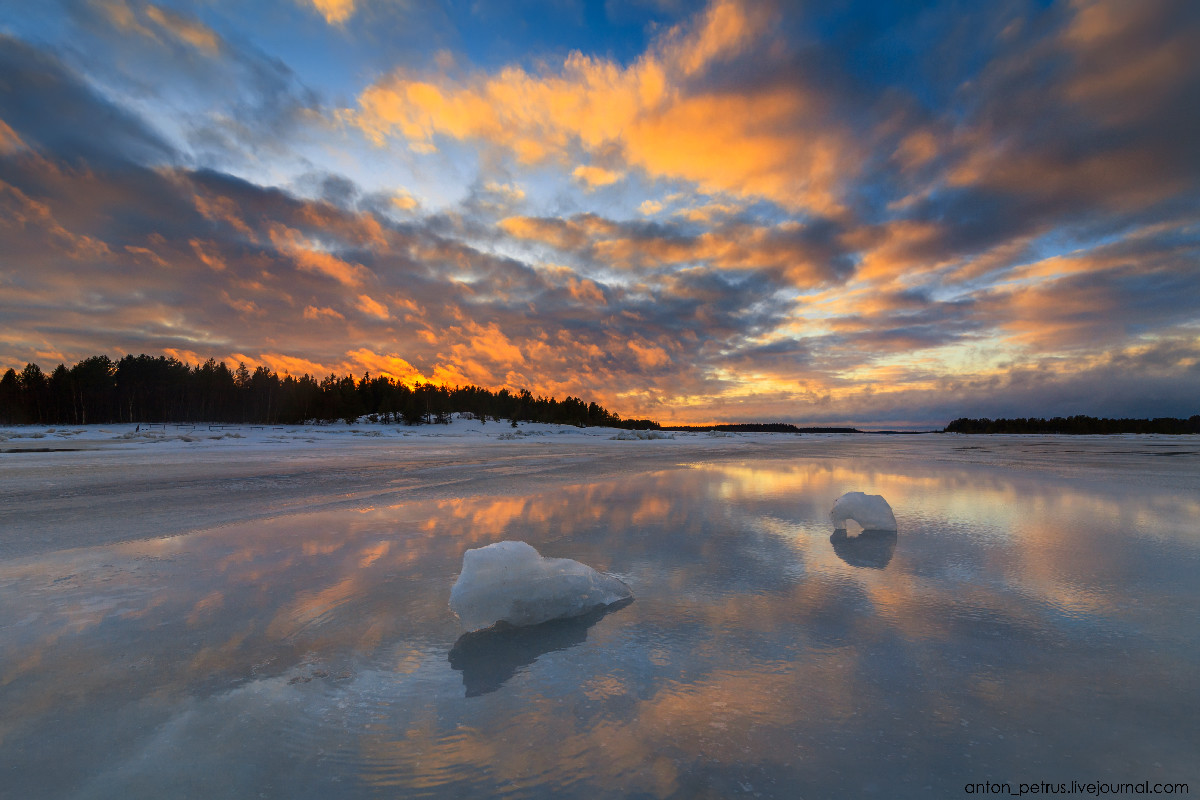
1036 619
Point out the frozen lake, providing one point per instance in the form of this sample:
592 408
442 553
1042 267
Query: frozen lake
1035 619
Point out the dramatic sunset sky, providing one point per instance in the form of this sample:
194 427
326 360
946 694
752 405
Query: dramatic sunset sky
875 213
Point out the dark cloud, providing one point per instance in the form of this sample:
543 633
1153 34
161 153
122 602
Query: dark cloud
268 110
1159 381
797 254
1084 119
222 101
52 110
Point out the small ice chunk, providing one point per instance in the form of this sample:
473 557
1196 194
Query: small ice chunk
511 582
870 511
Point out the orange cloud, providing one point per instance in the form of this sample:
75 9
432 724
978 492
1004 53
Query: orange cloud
1126 64
916 149
359 229
22 212
369 306
391 366
314 313
774 143
186 356
148 253
196 34
585 291
572 234
189 31
648 354
709 211
240 304
291 365
124 18
405 201
491 342
734 247
223 209
10 142
304 253
725 30
892 249
210 259
593 177
335 12
751 145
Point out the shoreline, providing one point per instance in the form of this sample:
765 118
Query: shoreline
84 487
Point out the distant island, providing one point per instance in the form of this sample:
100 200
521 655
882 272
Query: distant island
1077 425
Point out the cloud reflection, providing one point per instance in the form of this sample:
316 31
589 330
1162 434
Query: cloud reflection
756 651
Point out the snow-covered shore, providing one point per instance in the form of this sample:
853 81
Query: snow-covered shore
193 436
76 486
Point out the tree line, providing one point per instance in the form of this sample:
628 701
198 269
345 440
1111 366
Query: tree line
149 389
1078 425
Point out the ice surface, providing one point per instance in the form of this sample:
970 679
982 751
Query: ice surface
870 511
511 582
718 533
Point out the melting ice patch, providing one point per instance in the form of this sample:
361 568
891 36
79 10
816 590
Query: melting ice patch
511 582
870 511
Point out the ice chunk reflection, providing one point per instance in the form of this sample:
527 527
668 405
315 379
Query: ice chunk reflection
871 549
490 657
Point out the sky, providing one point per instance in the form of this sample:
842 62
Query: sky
883 214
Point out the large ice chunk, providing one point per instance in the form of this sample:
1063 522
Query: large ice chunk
511 582
870 511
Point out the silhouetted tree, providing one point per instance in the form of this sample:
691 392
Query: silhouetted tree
35 394
11 411
94 387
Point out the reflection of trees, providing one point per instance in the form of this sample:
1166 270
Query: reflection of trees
872 549
490 657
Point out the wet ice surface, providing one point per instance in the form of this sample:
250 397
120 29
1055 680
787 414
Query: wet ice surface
1036 618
